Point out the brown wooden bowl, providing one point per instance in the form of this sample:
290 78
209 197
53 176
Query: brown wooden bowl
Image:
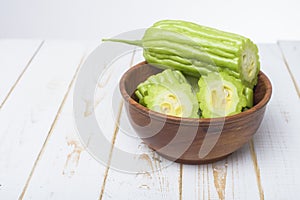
189 140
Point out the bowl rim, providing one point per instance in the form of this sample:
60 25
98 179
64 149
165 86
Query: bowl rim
192 121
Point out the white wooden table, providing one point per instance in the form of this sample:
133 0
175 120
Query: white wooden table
41 156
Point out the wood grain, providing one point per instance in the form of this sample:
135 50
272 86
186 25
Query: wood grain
57 166
257 170
74 156
74 172
291 56
27 115
12 69
231 178
276 144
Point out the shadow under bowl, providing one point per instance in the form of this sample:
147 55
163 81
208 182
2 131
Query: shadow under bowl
191 140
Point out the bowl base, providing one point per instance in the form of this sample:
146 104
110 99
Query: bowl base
193 161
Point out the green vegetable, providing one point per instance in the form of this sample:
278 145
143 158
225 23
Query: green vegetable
220 95
168 92
248 92
193 81
198 50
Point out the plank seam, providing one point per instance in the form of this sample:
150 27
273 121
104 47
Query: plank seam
116 130
51 129
111 150
180 181
257 170
289 70
208 184
21 74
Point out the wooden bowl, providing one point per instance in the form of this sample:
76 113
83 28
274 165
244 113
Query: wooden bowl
189 140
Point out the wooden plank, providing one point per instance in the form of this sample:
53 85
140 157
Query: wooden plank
158 178
72 173
266 168
291 56
15 57
28 115
231 178
277 143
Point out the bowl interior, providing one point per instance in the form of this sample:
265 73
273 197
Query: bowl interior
141 71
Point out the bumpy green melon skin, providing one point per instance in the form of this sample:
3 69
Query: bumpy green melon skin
200 51
197 50
189 47
168 89
220 95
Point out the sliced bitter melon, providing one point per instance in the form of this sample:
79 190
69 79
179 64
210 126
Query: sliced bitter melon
169 93
248 92
167 77
193 81
220 95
